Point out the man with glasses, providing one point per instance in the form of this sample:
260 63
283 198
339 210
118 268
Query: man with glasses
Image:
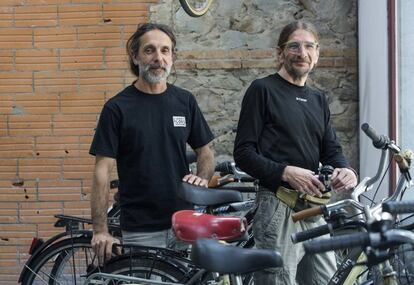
284 132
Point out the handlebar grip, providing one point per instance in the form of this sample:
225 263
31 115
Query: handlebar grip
311 233
307 213
400 207
247 179
338 242
379 142
224 168
408 227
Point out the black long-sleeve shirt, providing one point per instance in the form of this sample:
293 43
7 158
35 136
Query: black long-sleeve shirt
284 124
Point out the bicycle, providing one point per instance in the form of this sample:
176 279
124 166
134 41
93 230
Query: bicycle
76 233
338 219
207 254
189 226
196 8
52 261
149 263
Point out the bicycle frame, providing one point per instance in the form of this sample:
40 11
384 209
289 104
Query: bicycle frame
347 273
95 278
208 254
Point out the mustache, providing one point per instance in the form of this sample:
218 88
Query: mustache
300 59
157 65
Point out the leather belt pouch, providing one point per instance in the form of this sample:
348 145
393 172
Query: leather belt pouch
299 202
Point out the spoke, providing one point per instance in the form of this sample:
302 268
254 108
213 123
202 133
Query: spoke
36 274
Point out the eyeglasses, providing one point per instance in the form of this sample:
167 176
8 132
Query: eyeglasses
295 46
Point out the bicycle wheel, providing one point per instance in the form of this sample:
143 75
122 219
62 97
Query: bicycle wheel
403 263
145 267
196 8
66 262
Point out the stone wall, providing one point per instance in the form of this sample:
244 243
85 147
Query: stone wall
222 52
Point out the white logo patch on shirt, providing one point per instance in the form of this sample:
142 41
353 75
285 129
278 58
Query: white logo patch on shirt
301 99
179 121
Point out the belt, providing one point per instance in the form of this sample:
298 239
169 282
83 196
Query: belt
298 201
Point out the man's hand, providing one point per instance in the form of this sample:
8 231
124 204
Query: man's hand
303 180
343 179
102 246
195 180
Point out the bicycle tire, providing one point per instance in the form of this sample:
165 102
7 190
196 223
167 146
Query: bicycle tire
66 262
196 8
145 267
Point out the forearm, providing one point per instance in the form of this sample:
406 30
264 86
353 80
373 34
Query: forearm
205 162
100 193
99 205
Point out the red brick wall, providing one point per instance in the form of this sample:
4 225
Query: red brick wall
59 61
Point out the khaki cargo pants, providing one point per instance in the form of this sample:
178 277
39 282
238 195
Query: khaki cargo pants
272 229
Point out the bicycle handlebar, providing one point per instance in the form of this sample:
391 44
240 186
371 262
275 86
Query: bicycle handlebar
224 167
326 229
337 242
307 213
326 209
228 167
377 240
385 144
311 233
400 207
233 207
378 141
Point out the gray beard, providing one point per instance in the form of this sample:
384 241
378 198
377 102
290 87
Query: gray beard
152 78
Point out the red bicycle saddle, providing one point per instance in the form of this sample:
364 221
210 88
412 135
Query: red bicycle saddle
189 225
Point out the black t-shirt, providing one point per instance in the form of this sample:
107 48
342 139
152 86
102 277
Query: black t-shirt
147 135
284 124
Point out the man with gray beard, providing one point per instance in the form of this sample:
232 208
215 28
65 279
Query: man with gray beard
144 130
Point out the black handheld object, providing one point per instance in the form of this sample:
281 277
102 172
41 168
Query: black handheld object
325 174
